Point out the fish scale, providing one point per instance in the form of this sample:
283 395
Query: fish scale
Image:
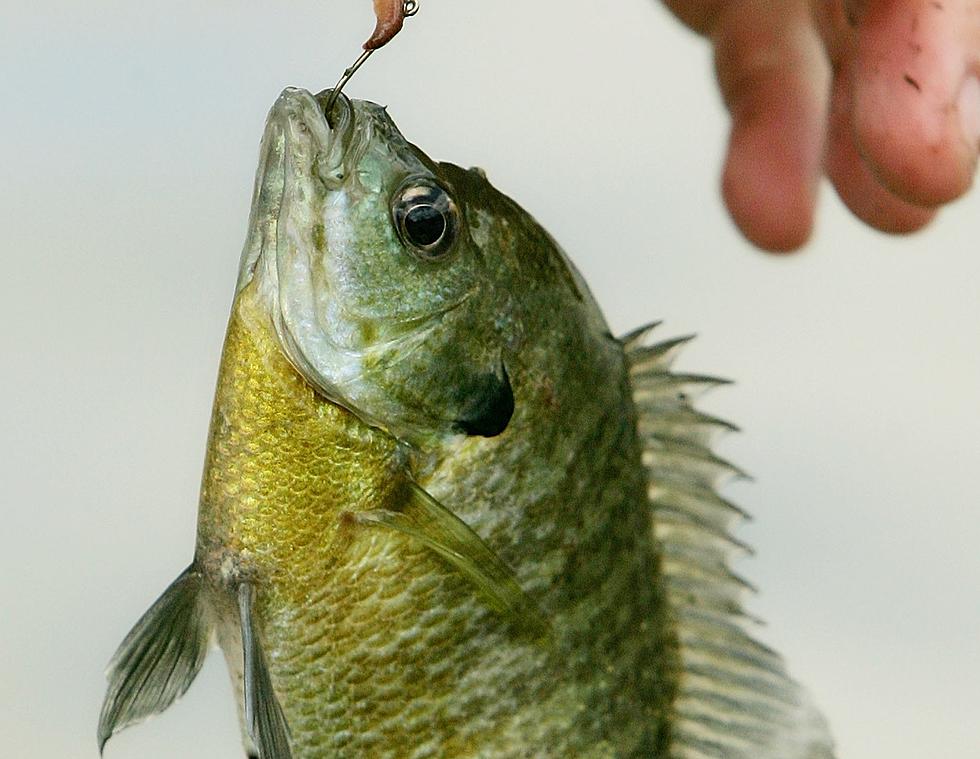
445 513
310 642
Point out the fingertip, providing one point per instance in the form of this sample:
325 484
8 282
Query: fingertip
767 200
924 164
968 110
699 17
915 109
775 81
857 186
874 205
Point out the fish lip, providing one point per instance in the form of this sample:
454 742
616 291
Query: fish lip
302 151
342 108
299 114
298 152
295 122
302 117
267 198
298 105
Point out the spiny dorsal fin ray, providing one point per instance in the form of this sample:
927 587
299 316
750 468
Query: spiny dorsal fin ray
700 505
159 658
428 521
734 698
674 419
635 338
683 388
657 356
719 576
676 457
264 720
675 525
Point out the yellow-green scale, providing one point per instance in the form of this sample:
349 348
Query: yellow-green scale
375 646
353 618
283 464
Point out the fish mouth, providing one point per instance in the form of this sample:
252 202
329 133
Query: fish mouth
302 193
298 145
301 158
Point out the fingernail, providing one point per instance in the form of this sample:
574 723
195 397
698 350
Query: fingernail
969 107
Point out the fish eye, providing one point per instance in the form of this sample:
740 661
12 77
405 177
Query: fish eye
426 218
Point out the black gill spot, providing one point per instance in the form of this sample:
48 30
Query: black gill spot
489 407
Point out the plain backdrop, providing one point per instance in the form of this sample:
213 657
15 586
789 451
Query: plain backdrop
129 135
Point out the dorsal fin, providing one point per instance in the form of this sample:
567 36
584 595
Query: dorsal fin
734 698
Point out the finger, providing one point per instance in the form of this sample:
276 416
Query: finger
854 10
698 15
916 103
775 80
861 192
836 22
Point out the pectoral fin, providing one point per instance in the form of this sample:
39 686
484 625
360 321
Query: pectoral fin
159 659
264 720
427 520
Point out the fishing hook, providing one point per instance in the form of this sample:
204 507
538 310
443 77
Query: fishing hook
335 92
409 9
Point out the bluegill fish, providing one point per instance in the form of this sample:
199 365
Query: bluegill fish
444 512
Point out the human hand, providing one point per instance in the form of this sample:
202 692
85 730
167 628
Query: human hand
882 96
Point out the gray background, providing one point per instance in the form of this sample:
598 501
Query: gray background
129 140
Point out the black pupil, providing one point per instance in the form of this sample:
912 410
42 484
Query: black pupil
424 225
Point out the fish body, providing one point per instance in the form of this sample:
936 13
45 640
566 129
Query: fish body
444 511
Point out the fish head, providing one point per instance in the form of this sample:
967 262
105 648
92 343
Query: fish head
362 256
